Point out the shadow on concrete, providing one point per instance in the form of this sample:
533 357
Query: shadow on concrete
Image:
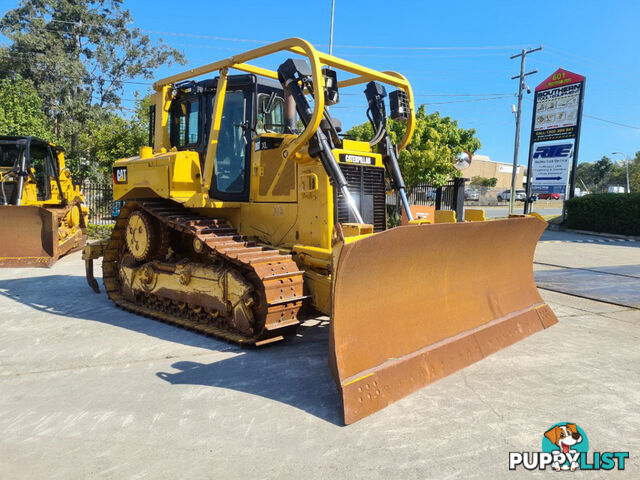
70 296
294 372
619 285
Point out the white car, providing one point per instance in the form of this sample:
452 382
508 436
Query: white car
521 195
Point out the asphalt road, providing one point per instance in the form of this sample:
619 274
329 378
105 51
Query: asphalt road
496 212
91 391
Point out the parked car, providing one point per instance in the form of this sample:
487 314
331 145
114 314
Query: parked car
548 196
471 194
115 209
521 195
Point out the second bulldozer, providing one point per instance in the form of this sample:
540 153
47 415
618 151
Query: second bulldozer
235 219
42 214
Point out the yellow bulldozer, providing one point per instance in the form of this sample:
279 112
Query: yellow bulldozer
42 214
250 205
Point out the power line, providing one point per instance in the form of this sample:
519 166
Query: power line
247 40
582 58
22 52
464 94
435 103
381 47
611 121
445 94
470 101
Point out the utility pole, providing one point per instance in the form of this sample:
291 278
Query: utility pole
626 162
516 146
333 8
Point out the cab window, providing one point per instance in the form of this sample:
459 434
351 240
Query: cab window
8 154
270 113
232 143
43 167
184 118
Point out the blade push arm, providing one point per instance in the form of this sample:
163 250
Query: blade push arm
290 74
375 94
22 169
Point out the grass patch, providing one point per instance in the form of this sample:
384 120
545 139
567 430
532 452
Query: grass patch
555 219
99 232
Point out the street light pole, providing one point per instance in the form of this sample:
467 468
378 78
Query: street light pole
626 163
333 7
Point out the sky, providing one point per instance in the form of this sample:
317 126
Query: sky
455 54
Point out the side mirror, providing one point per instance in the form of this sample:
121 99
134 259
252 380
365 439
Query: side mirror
399 104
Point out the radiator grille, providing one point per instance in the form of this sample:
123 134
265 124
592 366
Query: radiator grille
366 185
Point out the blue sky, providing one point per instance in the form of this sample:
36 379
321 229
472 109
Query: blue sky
458 75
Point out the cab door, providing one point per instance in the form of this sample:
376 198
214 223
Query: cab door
231 164
274 176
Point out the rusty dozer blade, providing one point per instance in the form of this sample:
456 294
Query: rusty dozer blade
29 237
414 304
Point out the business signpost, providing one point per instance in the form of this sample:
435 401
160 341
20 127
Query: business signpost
555 135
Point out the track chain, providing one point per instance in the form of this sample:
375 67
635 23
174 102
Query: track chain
274 274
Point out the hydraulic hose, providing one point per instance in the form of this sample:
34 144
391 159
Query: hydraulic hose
375 94
289 74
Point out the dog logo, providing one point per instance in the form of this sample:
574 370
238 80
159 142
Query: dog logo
566 437
565 447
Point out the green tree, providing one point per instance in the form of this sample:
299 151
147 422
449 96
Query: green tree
619 175
634 173
598 176
484 181
109 137
430 156
21 109
79 55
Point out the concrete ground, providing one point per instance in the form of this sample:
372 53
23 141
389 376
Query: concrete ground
600 268
90 391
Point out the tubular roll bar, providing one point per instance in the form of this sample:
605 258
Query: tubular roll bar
316 60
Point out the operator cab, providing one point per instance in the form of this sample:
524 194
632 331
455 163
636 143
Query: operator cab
253 106
30 158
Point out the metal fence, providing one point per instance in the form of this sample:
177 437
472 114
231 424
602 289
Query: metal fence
450 196
99 199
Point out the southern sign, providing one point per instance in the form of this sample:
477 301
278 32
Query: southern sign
555 133
551 162
557 106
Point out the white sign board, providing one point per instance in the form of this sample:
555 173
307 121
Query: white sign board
557 107
551 162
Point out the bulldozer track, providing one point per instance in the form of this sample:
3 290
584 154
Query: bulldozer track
274 274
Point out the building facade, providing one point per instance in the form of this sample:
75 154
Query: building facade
483 166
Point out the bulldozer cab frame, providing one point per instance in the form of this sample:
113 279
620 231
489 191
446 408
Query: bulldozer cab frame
177 99
253 106
23 158
42 214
